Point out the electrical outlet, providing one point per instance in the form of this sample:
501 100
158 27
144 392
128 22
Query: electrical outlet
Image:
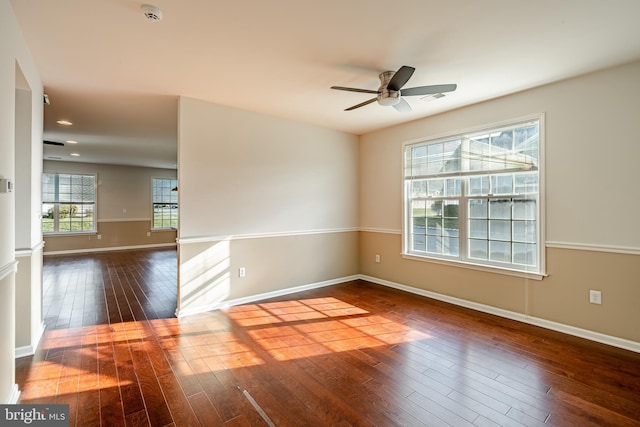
99 236
377 258
595 297
241 272
148 234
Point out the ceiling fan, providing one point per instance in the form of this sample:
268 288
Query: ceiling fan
390 91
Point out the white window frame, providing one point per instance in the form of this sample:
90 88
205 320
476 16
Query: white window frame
56 208
153 202
462 260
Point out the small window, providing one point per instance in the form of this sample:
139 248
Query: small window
68 203
475 198
165 203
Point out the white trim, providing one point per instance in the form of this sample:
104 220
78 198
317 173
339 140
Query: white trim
520 317
218 238
263 296
7 269
123 220
480 267
14 396
29 350
109 248
381 230
595 248
549 244
26 252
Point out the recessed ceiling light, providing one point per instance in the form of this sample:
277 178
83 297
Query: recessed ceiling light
64 122
75 154
71 141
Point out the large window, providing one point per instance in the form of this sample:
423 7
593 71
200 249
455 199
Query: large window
165 203
475 198
68 203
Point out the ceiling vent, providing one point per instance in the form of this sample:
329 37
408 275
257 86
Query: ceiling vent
152 13
433 97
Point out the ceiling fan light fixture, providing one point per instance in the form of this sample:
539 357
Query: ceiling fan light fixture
387 98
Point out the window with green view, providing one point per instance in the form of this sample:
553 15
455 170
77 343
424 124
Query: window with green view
475 198
68 203
165 203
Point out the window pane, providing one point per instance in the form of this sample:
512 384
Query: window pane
499 230
419 161
478 228
524 209
434 244
419 243
502 140
435 158
502 184
524 231
450 246
499 251
478 208
436 187
434 226
418 189
450 220
453 187
451 156
419 225
478 185
524 254
526 137
418 208
478 249
434 208
500 209
526 183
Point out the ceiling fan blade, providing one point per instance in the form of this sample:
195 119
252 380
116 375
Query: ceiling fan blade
428 90
400 78
362 104
402 106
352 89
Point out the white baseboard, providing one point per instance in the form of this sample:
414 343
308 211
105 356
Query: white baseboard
29 350
263 296
110 248
521 317
13 396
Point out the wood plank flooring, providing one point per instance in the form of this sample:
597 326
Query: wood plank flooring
355 354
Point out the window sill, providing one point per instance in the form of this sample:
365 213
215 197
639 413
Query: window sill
479 267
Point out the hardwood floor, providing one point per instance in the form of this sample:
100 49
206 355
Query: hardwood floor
355 354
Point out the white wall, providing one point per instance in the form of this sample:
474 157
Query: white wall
245 173
592 152
250 176
592 204
13 50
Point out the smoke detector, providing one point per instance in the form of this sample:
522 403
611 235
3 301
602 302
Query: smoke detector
152 13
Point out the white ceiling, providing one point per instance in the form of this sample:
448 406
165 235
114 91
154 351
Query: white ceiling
117 76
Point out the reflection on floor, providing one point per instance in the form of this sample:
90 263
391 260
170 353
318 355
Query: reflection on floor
352 354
